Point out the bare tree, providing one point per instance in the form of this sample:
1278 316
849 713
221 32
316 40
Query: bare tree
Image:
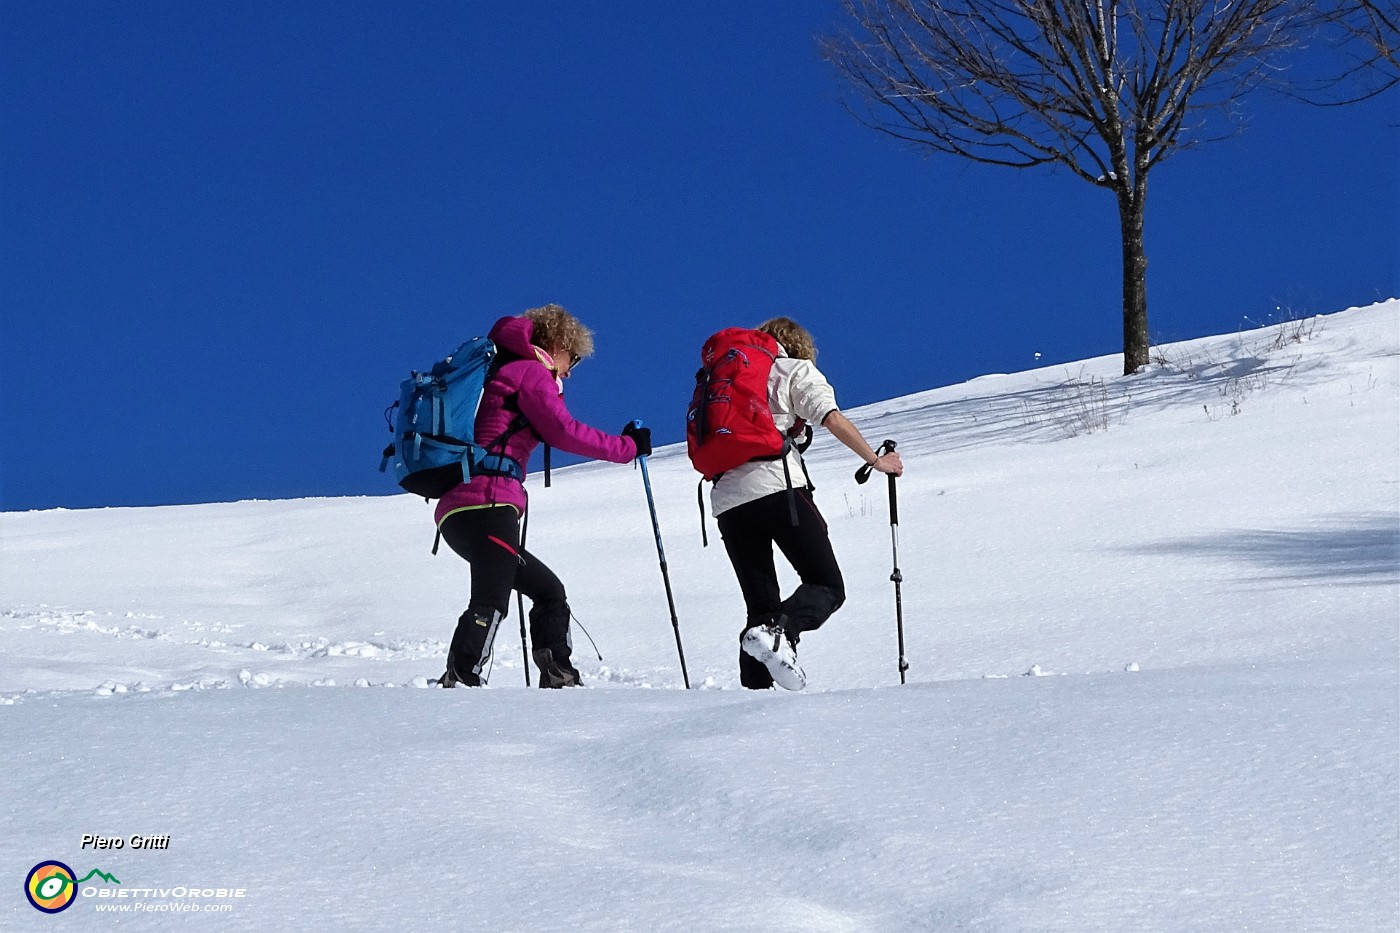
1105 88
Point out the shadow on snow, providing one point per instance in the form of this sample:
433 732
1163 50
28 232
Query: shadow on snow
1359 549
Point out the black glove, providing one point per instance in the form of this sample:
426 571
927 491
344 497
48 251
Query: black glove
641 437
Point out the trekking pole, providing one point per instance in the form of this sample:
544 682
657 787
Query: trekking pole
897 577
520 606
661 555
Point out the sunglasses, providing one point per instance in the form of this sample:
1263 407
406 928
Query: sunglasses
574 360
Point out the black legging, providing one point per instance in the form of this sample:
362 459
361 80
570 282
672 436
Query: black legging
750 531
489 540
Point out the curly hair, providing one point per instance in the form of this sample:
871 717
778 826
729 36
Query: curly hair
557 329
795 338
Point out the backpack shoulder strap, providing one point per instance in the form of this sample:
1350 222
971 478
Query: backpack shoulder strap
519 422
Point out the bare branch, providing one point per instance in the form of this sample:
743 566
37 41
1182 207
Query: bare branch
1101 87
1363 37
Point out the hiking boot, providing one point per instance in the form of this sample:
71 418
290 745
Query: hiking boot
450 677
555 673
769 645
469 652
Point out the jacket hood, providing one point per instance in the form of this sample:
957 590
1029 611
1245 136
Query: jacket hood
512 334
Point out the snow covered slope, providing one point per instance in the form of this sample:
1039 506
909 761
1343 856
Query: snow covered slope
1202 561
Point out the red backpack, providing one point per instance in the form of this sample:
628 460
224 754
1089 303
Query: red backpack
729 422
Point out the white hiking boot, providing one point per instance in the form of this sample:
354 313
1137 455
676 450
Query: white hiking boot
768 645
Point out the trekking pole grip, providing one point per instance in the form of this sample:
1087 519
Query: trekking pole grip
888 447
863 473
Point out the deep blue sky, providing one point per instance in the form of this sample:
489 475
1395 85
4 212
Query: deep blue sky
227 229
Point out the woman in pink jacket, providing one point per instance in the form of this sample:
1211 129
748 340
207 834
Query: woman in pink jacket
522 405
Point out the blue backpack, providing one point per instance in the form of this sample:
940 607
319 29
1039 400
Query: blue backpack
434 446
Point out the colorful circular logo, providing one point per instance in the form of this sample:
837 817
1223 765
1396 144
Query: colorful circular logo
50 887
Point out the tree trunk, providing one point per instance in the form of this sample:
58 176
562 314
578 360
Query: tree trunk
1130 215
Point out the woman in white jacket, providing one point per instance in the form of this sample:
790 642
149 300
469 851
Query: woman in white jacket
752 507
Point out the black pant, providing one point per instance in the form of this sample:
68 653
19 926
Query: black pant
750 531
489 540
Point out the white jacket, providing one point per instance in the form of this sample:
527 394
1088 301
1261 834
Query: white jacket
796 389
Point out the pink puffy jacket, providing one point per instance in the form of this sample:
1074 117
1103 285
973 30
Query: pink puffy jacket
526 384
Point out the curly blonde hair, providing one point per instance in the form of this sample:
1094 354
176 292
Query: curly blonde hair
557 329
795 338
